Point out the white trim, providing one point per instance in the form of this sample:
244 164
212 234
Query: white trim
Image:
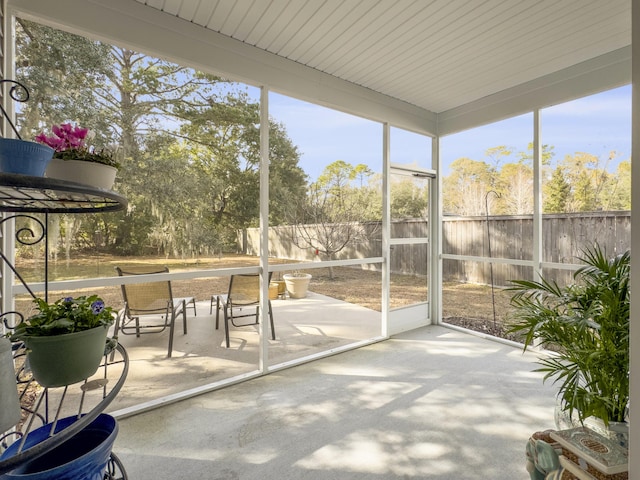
472 258
411 171
512 261
408 317
592 76
409 241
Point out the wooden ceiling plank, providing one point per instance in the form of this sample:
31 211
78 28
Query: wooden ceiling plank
313 33
294 16
204 12
259 35
172 7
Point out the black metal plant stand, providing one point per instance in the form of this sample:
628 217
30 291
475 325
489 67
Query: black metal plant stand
21 196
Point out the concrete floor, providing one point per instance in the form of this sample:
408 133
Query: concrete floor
304 327
432 403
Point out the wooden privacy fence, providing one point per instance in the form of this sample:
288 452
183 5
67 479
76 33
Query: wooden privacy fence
564 236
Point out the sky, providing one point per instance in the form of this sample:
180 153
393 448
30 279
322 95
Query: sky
596 124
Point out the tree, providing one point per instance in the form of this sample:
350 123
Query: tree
516 189
287 180
466 187
619 194
588 177
556 192
332 216
62 72
408 200
225 139
143 106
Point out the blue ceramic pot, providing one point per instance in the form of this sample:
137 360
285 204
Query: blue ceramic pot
82 457
23 157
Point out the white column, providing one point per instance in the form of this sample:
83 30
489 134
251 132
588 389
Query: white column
264 326
386 226
537 196
435 234
634 340
7 232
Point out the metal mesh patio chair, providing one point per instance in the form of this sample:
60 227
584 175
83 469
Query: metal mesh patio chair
150 307
241 301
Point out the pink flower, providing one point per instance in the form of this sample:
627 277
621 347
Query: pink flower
66 137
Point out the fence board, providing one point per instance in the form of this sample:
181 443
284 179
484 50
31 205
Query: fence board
564 236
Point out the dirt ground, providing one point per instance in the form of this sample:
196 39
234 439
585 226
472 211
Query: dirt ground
466 305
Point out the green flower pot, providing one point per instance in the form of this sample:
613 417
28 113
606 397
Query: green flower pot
65 359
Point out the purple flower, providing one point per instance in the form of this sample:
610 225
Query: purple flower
67 299
97 307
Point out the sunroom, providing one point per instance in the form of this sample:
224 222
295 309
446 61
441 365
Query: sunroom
407 87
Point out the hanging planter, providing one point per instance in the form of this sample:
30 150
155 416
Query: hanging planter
65 340
82 457
23 157
65 359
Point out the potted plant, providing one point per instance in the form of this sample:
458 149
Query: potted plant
297 283
586 326
24 157
75 161
65 340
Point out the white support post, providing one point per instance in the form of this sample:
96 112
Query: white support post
386 227
537 197
435 240
7 231
264 326
634 333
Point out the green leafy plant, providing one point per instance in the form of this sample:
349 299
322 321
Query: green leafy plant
67 315
586 325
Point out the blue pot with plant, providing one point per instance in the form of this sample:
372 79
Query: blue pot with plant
24 157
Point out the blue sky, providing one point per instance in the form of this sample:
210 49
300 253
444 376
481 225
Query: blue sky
597 124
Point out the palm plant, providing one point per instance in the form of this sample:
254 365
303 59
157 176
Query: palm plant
586 325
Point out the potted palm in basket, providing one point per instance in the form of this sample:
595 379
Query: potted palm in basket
585 325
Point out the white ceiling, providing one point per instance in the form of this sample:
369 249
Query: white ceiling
437 55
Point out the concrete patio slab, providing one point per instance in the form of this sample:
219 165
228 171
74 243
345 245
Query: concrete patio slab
304 327
433 403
